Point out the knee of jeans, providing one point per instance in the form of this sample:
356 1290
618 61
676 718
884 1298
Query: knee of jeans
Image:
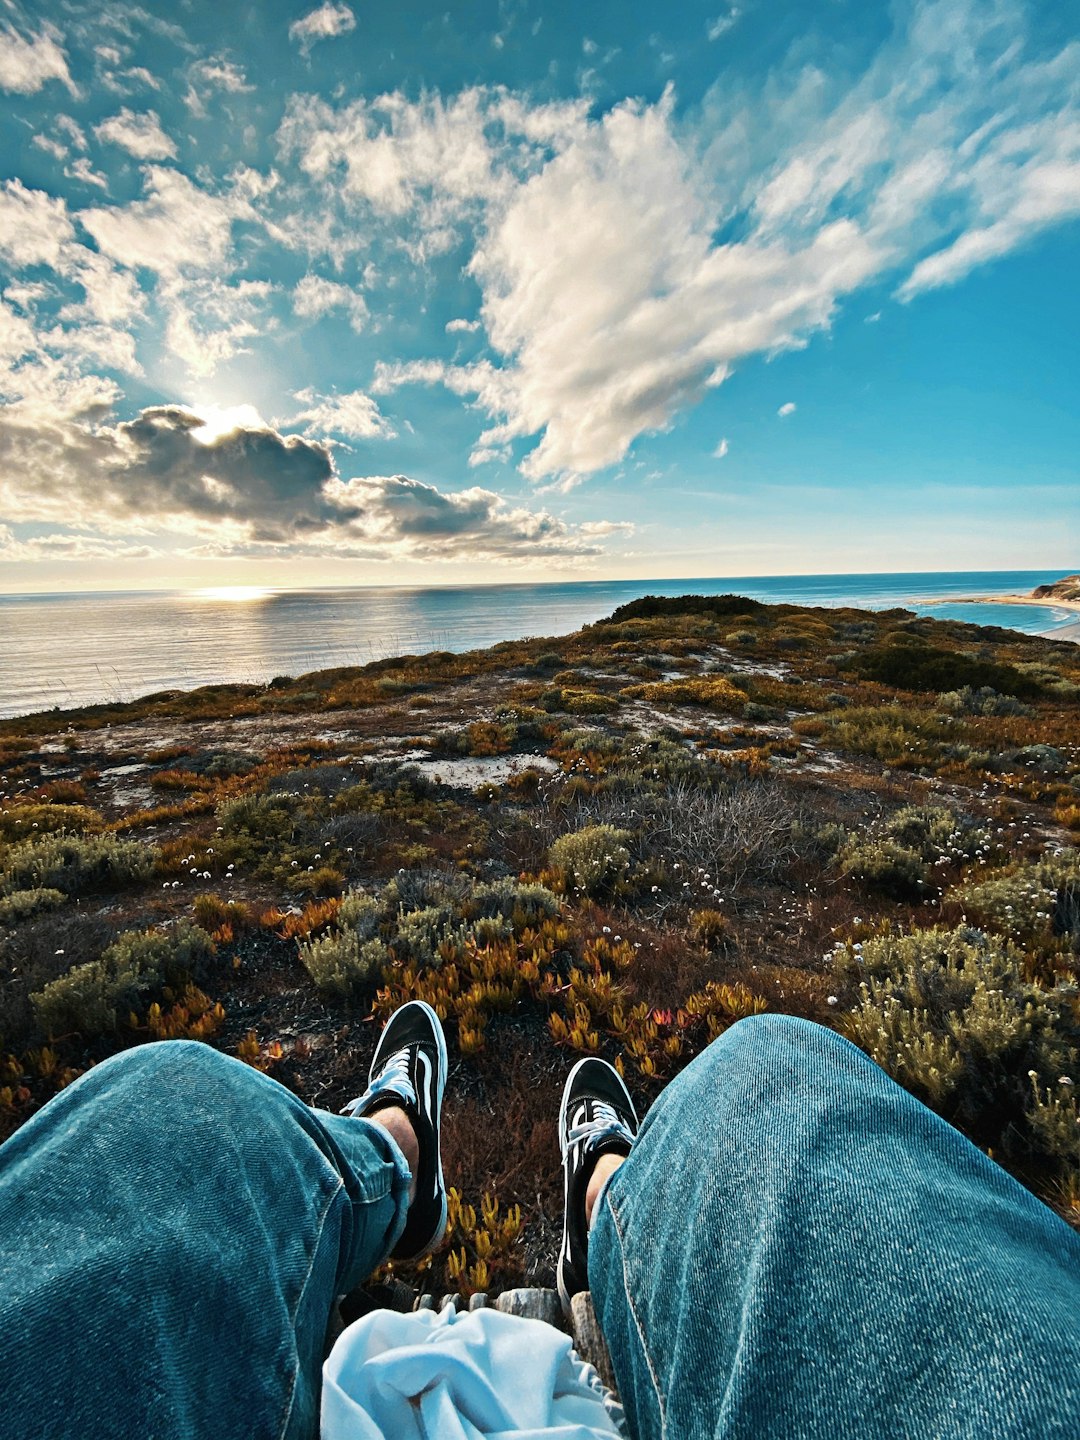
169 1061
768 1039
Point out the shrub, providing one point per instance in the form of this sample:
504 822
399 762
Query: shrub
1035 899
211 912
19 822
949 1014
741 637
76 864
522 904
260 817
969 700
93 997
1046 759
715 692
886 866
712 929
651 606
320 880
343 965
22 904
594 859
936 834
914 665
888 732
741 830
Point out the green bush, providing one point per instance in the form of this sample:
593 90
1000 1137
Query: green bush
886 866
914 665
22 904
936 834
949 1014
649 607
593 860
19 822
513 900
1035 900
259 817
343 965
969 700
92 998
76 864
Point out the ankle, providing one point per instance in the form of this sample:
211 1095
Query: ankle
395 1121
603 1170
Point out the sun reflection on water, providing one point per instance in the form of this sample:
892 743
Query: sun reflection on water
232 593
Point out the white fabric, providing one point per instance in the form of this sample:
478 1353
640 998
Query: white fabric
447 1376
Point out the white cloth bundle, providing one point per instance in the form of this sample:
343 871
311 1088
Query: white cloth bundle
448 1376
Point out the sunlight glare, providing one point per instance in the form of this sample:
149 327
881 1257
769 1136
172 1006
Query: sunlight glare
233 593
219 420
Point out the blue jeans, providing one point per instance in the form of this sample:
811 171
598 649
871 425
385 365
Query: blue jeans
797 1247
794 1247
174 1228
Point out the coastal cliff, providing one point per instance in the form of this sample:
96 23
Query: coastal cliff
1065 589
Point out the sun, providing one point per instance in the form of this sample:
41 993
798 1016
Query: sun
219 420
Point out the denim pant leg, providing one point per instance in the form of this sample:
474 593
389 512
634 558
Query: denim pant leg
797 1247
174 1228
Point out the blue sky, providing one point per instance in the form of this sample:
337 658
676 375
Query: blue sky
296 295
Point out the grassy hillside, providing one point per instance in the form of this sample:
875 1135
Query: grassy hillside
618 841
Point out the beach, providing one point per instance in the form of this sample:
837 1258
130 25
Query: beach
1070 631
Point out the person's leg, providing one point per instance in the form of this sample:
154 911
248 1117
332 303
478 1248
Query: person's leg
796 1246
174 1228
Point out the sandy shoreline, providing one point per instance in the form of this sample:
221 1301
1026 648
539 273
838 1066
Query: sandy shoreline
1071 631
1047 603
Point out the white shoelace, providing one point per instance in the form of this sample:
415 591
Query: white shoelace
605 1125
394 1076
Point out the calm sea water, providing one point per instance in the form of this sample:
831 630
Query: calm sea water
70 650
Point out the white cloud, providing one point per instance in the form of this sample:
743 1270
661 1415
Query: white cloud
139 75
723 23
721 450
606 296
445 159
210 320
462 327
484 455
325 23
788 408
34 227
55 148
206 77
178 226
140 135
59 546
29 63
355 415
314 297
80 169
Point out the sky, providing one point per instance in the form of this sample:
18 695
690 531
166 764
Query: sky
296 296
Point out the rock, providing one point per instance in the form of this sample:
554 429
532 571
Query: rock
588 1338
478 1301
533 1305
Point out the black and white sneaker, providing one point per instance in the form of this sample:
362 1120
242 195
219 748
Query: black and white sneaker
596 1118
409 1069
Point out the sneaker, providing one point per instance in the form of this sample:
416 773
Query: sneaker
596 1118
409 1069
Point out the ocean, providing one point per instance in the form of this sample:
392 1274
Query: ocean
79 649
